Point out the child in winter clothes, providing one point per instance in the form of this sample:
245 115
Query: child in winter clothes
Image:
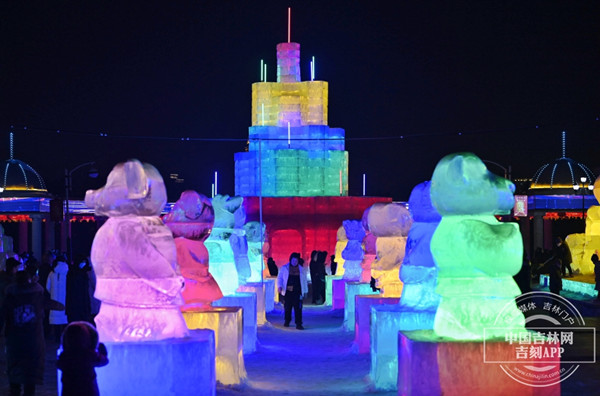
81 353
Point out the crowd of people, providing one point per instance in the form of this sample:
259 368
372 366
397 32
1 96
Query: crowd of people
39 301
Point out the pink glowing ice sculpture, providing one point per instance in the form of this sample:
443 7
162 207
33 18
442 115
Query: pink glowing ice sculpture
191 221
134 258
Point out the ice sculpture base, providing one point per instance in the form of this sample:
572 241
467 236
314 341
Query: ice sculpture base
259 289
176 366
353 290
585 288
226 322
247 301
392 289
429 367
329 289
338 291
270 292
386 322
362 332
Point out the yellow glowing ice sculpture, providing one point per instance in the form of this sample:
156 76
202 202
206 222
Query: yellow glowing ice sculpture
476 255
584 245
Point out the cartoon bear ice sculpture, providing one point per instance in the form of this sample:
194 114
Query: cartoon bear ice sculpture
418 271
134 258
191 221
476 255
353 253
390 224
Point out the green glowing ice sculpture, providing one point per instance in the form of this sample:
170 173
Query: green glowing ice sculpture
476 255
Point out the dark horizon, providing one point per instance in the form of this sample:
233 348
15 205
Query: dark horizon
409 83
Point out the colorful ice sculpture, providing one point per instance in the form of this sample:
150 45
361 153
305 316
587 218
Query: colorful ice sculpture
475 254
353 253
418 272
389 223
191 221
134 258
340 245
224 267
369 244
584 245
255 249
292 151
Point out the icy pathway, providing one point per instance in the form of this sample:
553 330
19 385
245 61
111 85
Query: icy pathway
315 361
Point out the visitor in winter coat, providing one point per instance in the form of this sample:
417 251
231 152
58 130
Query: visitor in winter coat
25 347
292 283
57 287
77 305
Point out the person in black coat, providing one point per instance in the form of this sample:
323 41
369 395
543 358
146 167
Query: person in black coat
552 267
317 273
523 277
25 346
273 270
77 303
596 262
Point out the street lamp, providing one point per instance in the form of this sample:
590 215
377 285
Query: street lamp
584 189
93 173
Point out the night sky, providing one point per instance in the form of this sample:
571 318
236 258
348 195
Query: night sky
408 81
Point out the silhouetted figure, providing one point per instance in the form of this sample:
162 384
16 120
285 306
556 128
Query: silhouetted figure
523 277
25 347
81 354
273 270
373 285
552 267
7 277
317 274
564 254
77 303
333 264
596 272
313 274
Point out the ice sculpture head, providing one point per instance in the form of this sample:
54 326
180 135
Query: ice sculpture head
253 231
389 220
461 184
192 216
132 188
420 206
597 189
229 212
79 337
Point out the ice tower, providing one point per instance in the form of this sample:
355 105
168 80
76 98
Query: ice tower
292 152
294 175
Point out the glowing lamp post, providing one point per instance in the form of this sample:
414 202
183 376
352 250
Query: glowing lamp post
93 173
584 186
